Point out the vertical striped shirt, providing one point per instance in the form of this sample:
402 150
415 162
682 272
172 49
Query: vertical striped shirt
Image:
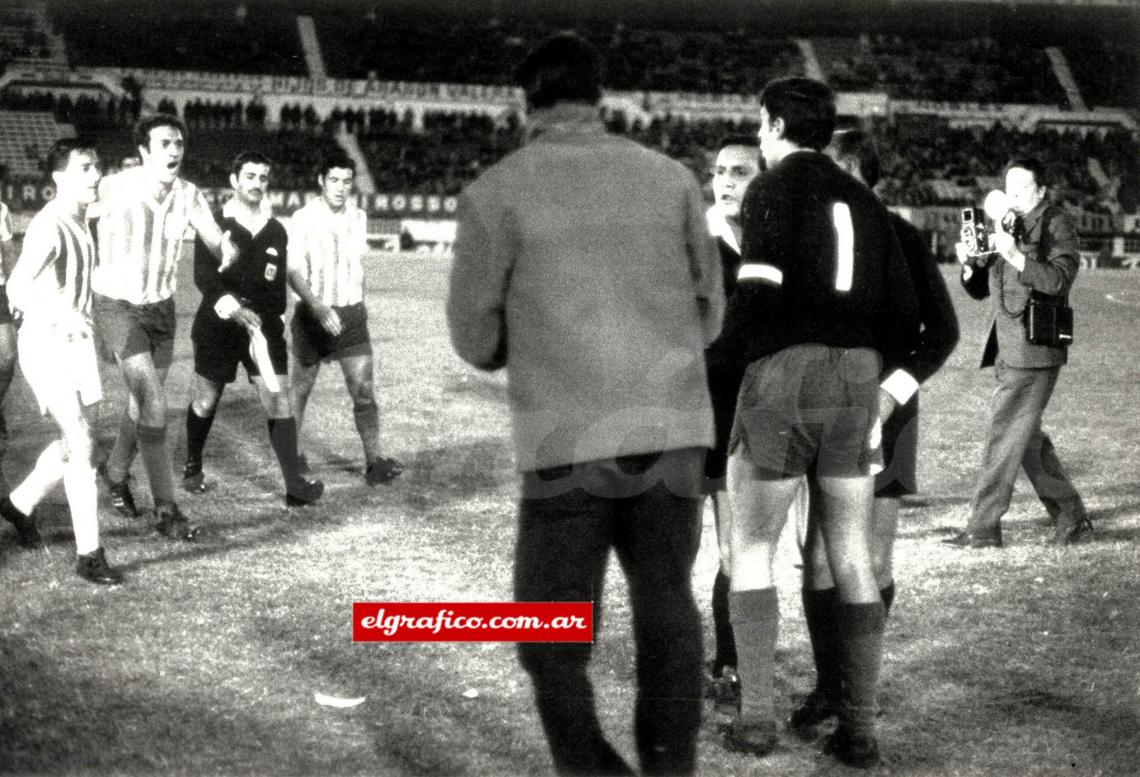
141 239
328 249
5 236
53 275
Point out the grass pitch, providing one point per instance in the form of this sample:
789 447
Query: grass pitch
1021 661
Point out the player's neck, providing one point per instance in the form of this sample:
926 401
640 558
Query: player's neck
159 189
73 209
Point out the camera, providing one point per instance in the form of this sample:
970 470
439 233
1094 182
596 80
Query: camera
976 237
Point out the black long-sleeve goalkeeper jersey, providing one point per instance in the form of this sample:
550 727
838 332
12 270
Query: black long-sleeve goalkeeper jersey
820 264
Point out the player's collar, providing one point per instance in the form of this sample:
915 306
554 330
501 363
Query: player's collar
253 222
565 117
720 228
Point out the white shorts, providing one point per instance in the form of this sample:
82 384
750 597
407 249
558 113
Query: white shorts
58 368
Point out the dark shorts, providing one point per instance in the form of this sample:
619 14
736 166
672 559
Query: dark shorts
312 344
5 311
900 453
124 329
810 408
221 345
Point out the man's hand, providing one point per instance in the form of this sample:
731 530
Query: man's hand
1006 246
230 251
329 319
246 318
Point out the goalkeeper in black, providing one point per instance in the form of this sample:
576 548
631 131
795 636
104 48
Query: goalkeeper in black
824 309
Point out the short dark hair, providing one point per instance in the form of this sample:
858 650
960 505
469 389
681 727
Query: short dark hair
335 159
144 125
858 145
807 107
249 158
59 155
738 139
564 67
1030 163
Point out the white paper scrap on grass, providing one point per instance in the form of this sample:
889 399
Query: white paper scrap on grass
337 701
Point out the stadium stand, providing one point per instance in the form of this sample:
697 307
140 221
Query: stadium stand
25 136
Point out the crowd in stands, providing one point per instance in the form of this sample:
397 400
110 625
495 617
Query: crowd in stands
944 53
925 162
242 37
937 69
95 111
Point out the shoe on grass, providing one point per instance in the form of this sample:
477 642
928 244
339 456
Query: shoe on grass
859 752
93 567
382 470
120 492
172 524
303 492
26 532
193 478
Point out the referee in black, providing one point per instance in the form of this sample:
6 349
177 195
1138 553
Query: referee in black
239 321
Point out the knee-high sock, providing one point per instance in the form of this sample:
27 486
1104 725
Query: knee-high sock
887 594
197 430
156 461
722 624
756 623
122 453
43 478
367 419
821 616
79 484
283 439
861 626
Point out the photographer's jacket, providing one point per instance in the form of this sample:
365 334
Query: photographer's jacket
1049 241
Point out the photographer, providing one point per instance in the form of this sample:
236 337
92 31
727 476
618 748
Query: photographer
1026 273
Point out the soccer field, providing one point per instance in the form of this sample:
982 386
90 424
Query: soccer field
1020 661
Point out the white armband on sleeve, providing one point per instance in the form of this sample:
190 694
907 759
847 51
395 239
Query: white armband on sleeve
760 272
226 306
900 385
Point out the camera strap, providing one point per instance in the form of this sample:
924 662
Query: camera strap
1043 246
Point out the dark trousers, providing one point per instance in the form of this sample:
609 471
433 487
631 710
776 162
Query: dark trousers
647 508
1017 442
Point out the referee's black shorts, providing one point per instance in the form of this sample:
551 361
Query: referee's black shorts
220 345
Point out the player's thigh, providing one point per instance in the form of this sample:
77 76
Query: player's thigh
759 503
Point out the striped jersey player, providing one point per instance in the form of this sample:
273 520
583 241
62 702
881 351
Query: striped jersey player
327 245
50 288
144 213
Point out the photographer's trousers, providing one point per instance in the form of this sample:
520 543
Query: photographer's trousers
1016 442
